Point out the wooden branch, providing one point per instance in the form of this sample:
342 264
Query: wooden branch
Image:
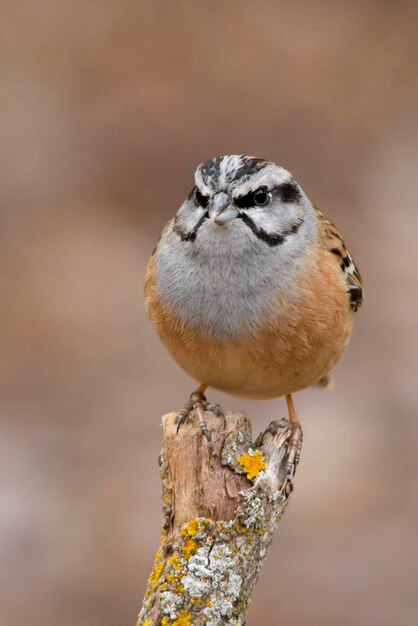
221 506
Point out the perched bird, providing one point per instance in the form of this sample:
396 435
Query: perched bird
251 288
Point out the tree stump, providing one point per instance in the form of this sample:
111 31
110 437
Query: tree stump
221 505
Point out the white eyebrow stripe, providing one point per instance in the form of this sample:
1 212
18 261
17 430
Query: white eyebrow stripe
271 178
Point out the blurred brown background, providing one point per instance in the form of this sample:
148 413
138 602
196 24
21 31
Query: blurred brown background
106 109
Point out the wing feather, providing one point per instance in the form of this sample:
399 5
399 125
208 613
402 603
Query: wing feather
336 246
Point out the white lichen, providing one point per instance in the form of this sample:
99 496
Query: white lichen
171 603
194 587
254 511
234 586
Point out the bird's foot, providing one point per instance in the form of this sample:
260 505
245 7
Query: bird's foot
293 437
294 447
198 404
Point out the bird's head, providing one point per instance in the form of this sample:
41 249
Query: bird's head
236 193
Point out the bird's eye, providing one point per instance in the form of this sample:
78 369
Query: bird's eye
261 196
200 199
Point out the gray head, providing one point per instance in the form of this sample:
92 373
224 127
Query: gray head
236 193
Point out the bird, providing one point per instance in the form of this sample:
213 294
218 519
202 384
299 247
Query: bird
251 288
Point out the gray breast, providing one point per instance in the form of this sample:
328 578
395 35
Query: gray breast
225 282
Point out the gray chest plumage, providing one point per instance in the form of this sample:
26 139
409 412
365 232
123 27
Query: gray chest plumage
224 283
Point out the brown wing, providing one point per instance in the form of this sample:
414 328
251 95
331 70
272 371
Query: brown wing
336 246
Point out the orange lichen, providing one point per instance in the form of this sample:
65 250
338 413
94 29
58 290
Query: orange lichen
252 463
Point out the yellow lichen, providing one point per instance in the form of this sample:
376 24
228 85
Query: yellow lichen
193 527
156 572
252 463
174 562
189 548
184 619
173 574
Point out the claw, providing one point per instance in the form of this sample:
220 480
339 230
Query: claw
206 433
198 405
272 429
183 414
215 408
294 447
295 438
292 438
180 419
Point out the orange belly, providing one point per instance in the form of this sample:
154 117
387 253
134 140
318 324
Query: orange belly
291 348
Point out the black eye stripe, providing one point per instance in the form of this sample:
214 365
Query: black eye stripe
200 199
245 202
250 199
287 192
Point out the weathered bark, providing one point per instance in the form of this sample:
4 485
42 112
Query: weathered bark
221 505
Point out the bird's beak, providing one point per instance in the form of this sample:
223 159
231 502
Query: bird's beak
221 210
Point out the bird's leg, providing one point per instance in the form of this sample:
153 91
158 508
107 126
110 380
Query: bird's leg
195 398
295 438
198 404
